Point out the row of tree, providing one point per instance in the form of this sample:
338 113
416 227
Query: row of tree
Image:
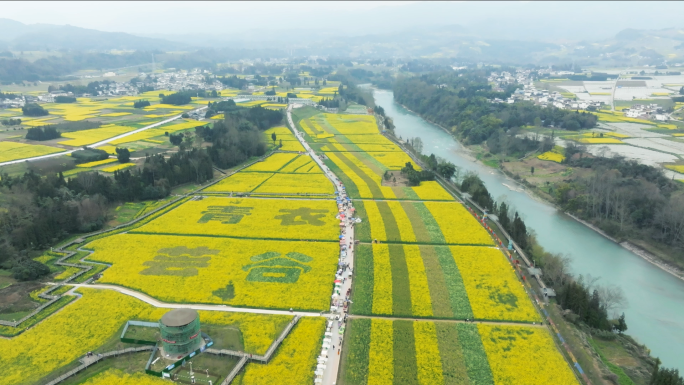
463 105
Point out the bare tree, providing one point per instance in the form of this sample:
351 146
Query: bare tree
613 299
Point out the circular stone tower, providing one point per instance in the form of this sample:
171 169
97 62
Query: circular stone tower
180 331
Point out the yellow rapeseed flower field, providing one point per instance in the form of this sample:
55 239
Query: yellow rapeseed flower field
172 127
316 183
13 151
493 290
251 218
273 163
240 182
294 360
382 279
86 137
118 167
675 167
97 163
428 359
87 323
520 355
381 355
421 303
351 124
303 164
552 156
431 190
458 225
600 141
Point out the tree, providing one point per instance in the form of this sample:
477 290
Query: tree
176 139
33 109
185 115
280 143
681 91
273 137
123 155
532 170
621 326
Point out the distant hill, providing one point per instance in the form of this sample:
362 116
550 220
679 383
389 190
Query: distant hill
32 37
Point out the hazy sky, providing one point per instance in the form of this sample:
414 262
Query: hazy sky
507 20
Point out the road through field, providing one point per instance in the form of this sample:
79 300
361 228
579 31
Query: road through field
98 144
328 365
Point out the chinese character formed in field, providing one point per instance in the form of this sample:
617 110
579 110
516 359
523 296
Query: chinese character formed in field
306 215
179 261
273 267
228 215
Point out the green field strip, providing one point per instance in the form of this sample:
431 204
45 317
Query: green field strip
405 366
431 224
356 359
399 192
349 185
362 231
419 229
362 289
372 185
439 292
391 228
453 362
460 304
475 356
411 194
329 128
401 291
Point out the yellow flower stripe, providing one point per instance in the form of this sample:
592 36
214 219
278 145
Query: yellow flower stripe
307 127
381 355
115 376
599 140
83 326
297 183
428 360
13 151
382 280
421 302
552 156
281 130
457 224
675 167
195 217
520 355
97 163
386 191
86 137
493 290
375 220
376 139
403 222
118 167
431 190
138 262
273 163
117 114
240 182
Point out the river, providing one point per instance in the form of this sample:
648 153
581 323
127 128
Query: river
655 313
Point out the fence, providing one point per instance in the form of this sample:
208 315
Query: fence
96 359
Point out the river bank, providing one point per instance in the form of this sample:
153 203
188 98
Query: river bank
656 297
626 244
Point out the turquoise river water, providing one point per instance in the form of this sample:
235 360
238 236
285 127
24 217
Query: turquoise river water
655 312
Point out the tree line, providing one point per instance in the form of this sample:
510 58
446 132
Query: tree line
625 199
462 105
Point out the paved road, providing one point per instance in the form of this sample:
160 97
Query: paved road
98 144
333 336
